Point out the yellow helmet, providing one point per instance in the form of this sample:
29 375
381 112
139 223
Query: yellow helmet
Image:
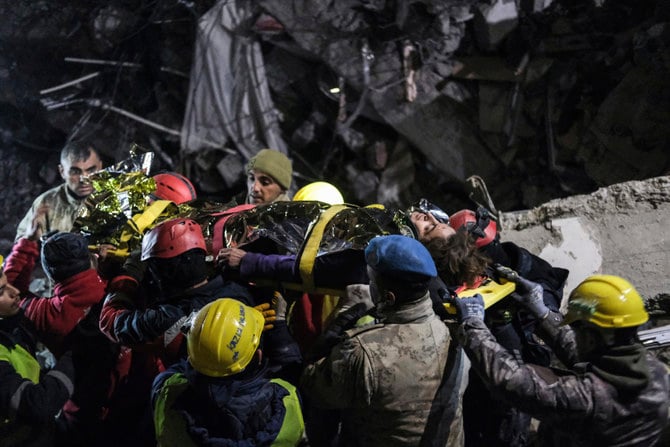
224 337
607 301
319 191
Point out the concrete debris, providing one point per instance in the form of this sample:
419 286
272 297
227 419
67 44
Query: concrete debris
397 177
494 21
541 98
619 230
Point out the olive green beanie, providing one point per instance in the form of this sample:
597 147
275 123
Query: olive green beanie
273 163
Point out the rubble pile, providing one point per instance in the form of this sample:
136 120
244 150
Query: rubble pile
390 101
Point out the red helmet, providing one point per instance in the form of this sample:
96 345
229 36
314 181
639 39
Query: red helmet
479 224
172 238
174 187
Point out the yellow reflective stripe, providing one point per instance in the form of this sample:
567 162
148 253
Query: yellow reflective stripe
293 426
311 246
150 214
141 221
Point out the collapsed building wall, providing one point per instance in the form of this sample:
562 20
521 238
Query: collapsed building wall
621 229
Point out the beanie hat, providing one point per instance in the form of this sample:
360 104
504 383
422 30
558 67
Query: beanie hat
65 255
273 163
400 257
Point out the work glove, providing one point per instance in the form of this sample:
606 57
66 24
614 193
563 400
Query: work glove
528 293
273 312
333 333
468 307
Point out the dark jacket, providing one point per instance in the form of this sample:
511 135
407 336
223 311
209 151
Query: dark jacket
56 316
123 321
247 409
622 401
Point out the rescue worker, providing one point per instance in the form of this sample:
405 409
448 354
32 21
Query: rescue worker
223 393
269 177
30 398
311 311
615 393
77 160
148 302
68 320
487 420
309 314
174 254
399 381
174 187
78 287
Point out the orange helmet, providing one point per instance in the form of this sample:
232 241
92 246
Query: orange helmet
173 187
172 238
479 224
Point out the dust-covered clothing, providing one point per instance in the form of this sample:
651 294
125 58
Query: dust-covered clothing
63 209
399 383
620 399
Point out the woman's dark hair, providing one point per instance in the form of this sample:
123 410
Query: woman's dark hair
457 259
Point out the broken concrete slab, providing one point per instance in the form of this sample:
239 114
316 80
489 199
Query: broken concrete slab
442 132
621 229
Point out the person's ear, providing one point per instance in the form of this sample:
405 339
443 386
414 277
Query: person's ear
389 298
61 171
259 356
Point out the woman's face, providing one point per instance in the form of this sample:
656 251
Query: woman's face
9 298
429 228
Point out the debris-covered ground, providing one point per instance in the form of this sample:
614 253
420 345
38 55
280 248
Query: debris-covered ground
390 101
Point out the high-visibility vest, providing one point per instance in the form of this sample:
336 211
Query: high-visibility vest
171 427
24 363
26 366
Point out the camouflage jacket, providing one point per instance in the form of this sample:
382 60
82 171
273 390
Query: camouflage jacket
63 208
576 407
388 379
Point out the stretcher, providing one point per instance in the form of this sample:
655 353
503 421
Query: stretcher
491 291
